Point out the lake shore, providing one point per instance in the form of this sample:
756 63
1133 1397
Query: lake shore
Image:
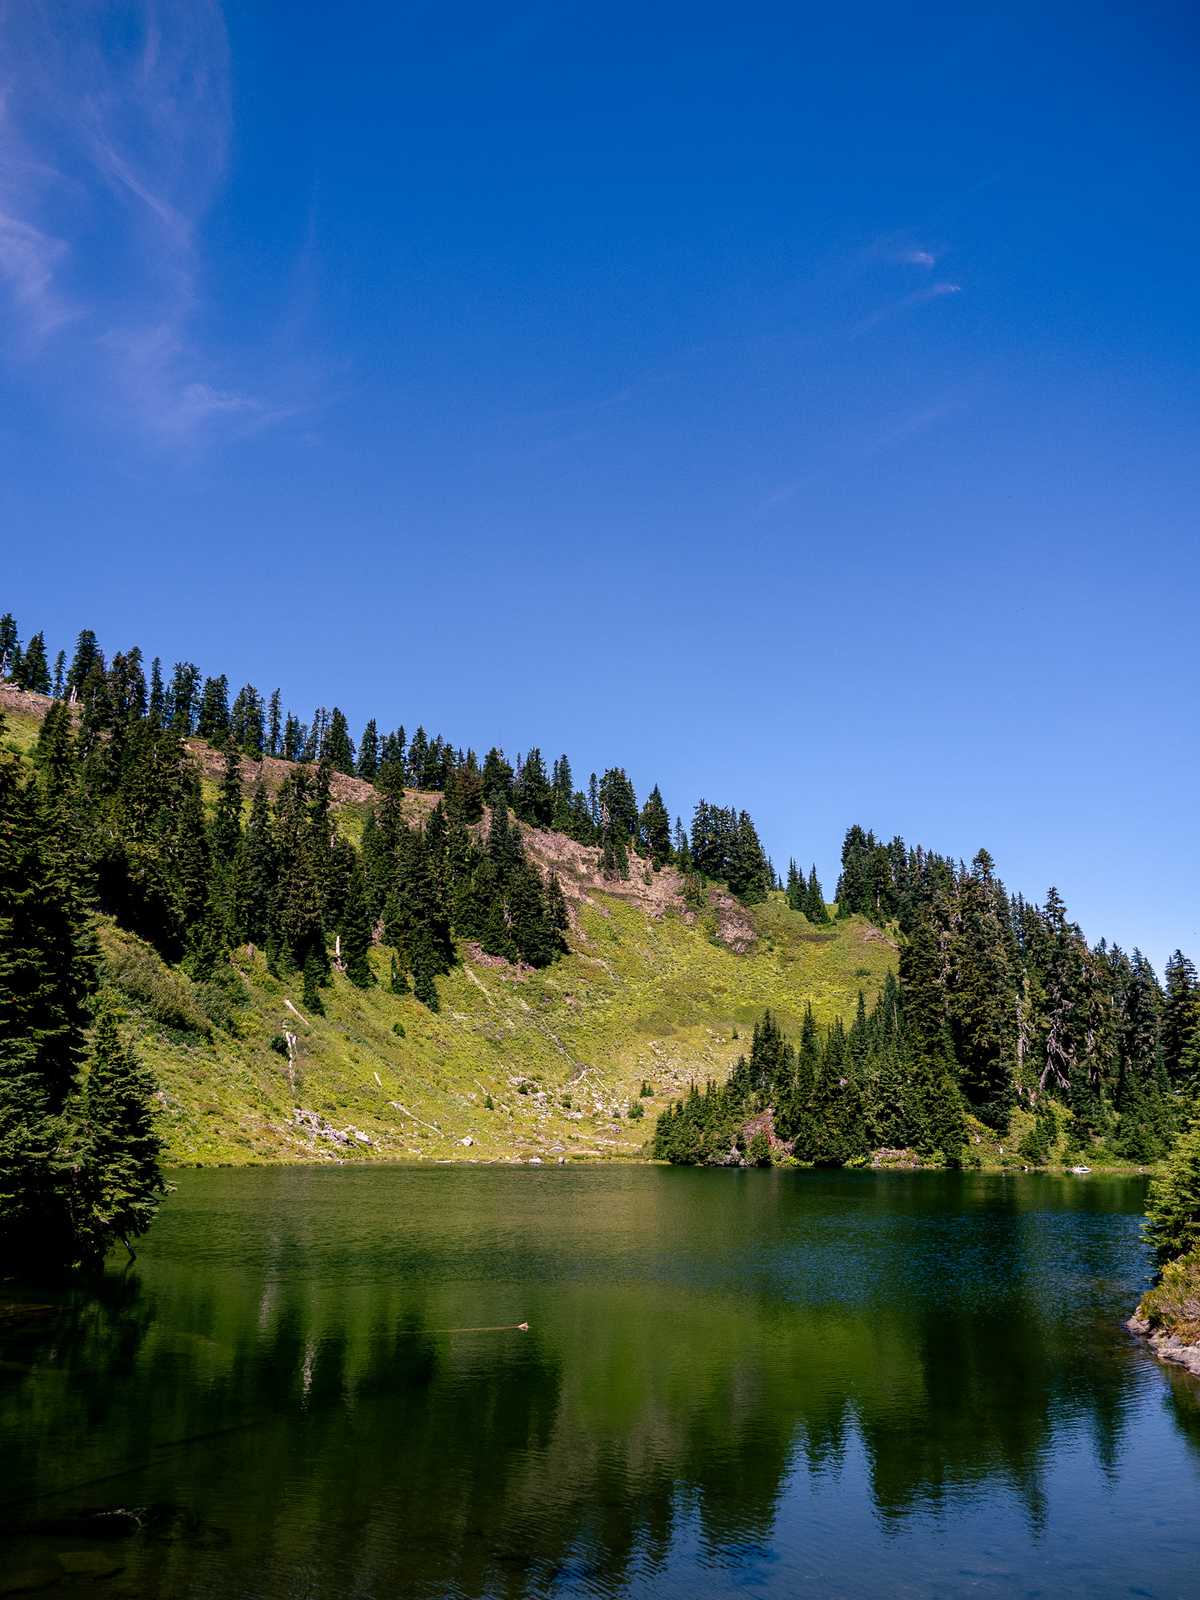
1168 1316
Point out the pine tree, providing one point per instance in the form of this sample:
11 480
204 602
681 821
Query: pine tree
47 970
618 806
794 887
157 708
1180 1017
338 748
368 752
225 835
35 668
533 798
497 778
246 721
355 932
116 1149
182 697
213 719
654 829
10 645
87 655
257 870
982 995
60 668
274 723
814 907
1173 1212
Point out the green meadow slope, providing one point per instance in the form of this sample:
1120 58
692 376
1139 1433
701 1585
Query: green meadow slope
522 1064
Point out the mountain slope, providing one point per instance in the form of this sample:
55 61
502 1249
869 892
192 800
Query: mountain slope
652 991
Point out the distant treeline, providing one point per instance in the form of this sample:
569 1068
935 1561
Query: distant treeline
999 1002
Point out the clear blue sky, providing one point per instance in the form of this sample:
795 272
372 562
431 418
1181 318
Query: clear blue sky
798 406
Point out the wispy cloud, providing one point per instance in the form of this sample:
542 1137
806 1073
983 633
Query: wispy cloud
115 126
902 250
907 302
912 425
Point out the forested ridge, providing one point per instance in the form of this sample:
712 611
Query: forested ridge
998 1004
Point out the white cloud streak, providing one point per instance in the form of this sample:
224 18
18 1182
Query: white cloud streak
908 302
115 126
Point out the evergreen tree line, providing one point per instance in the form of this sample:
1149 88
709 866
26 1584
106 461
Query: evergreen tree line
79 1156
123 795
836 1095
1026 1009
723 845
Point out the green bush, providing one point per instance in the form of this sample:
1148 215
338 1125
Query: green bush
1173 1213
1173 1305
758 1151
138 972
636 1111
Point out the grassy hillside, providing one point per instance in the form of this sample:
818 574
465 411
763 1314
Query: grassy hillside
655 989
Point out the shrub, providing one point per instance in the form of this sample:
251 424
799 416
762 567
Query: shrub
636 1111
1173 1213
758 1151
137 971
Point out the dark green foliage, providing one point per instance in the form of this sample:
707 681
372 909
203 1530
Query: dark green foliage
33 672
114 1148
47 970
654 829
983 994
10 645
246 721
355 932
182 697
1000 1003
497 778
212 721
256 873
1038 1145
87 655
533 798
338 747
274 724
368 752
1181 1024
1173 1212
833 1099
814 906
314 976
725 846
618 807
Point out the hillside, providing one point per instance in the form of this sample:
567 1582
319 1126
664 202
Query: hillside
525 1064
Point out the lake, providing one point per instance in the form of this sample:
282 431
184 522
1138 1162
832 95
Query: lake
751 1383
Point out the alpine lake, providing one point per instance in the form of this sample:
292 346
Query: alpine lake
313 1383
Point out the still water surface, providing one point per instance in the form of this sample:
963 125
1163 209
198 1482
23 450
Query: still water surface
732 1383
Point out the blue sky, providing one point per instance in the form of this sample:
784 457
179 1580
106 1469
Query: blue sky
795 405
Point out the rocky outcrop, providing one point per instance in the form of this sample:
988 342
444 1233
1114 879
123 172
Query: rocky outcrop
1169 1315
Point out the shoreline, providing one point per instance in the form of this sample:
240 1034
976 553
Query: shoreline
1167 1347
